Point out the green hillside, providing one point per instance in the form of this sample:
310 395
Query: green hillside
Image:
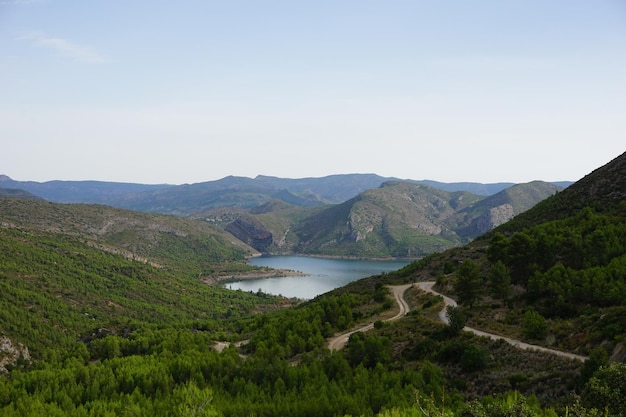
158 239
57 289
110 335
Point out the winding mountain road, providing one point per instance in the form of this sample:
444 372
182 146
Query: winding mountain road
428 287
339 341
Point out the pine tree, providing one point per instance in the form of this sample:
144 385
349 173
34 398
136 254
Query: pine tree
499 281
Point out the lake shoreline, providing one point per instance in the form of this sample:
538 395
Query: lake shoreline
343 257
322 274
251 275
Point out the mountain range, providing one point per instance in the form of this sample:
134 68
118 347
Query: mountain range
356 215
230 191
397 219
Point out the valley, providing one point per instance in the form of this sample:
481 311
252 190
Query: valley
112 315
357 215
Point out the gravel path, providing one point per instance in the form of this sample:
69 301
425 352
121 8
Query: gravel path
339 341
428 287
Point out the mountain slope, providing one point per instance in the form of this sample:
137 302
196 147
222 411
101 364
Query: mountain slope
17 193
503 206
601 189
150 237
82 272
397 219
563 260
230 191
159 361
403 219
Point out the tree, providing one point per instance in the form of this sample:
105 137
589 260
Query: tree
193 401
597 358
606 390
456 319
474 358
499 281
468 283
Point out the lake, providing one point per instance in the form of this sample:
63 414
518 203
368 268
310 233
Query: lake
324 274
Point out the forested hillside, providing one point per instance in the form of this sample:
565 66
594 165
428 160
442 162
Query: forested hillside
153 238
111 335
71 270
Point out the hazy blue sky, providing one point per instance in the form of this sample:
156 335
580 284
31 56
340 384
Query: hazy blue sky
191 91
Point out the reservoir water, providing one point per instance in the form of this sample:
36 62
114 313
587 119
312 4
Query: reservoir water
323 274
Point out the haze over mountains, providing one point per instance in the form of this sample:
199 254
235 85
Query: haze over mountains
228 192
397 219
356 215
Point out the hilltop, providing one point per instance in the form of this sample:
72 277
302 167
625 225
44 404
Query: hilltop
397 219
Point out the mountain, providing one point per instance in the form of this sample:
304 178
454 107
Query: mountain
602 190
503 206
470 187
396 219
380 218
76 191
74 272
564 259
227 192
399 219
242 192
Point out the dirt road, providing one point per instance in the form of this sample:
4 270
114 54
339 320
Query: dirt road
428 287
339 341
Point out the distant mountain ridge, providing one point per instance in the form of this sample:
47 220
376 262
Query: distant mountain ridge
229 191
76 191
397 219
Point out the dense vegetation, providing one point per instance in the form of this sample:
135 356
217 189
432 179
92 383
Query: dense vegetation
56 289
285 371
118 322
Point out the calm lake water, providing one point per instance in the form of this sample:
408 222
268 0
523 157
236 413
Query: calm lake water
323 274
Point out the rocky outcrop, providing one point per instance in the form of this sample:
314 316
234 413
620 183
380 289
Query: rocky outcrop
11 353
252 232
493 218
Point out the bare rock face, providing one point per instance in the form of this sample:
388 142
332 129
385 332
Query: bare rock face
501 214
493 218
252 232
619 353
10 353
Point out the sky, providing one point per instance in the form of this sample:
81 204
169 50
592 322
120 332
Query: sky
191 91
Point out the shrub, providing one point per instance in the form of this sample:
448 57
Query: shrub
534 325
